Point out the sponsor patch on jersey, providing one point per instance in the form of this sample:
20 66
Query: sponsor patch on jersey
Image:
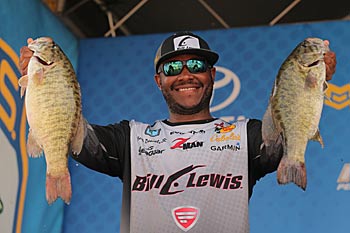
184 144
221 128
152 132
185 217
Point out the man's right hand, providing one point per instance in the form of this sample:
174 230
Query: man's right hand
25 55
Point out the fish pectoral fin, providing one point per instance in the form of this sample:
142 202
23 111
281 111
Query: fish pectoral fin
317 137
310 80
78 139
23 83
38 76
33 148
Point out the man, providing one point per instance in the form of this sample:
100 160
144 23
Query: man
176 175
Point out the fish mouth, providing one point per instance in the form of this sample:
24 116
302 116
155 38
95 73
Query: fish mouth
42 61
315 63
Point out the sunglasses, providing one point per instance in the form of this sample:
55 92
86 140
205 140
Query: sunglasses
172 68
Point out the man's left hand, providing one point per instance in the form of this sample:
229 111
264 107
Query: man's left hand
331 62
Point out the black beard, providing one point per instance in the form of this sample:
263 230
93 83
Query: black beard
176 108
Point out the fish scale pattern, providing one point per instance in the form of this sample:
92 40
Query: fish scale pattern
116 78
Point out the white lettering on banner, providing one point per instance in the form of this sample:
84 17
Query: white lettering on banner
344 178
230 78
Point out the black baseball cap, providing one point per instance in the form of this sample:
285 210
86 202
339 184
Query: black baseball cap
184 43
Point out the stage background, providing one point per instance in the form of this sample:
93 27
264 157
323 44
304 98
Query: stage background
116 76
23 207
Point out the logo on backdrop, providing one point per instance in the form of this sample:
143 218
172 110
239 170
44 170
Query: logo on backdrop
344 178
338 97
13 162
226 91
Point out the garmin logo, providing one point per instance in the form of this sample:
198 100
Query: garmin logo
186 42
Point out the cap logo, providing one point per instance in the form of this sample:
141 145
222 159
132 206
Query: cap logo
186 42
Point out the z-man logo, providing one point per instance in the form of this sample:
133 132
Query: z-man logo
181 143
14 161
338 97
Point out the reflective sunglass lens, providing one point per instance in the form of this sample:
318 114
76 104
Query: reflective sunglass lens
172 68
196 66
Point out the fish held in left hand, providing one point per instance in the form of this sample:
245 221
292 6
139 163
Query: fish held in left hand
54 113
294 110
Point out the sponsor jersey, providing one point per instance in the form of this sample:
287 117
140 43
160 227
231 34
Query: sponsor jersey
191 177
181 177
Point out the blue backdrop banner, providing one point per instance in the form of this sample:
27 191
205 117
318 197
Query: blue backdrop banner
116 76
23 207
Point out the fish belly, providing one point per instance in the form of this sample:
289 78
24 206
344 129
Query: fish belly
297 111
53 109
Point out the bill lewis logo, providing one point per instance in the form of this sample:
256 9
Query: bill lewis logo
187 178
185 217
182 143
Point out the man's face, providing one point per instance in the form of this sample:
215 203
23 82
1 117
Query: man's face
186 93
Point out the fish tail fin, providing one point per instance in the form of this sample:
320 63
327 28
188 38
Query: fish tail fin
292 171
58 186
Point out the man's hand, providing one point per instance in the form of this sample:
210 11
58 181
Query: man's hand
330 61
25 55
